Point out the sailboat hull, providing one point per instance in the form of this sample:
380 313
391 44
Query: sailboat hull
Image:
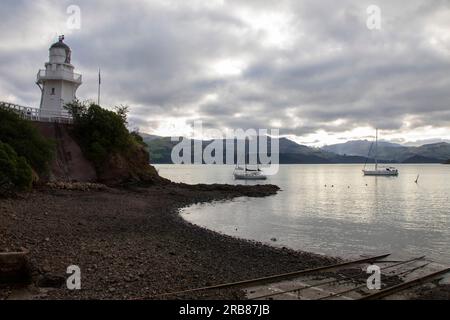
380 173
244 176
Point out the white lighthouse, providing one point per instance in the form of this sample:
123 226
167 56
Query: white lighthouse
58 82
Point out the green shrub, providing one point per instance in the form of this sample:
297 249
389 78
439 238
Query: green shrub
26 140
101 132
15 173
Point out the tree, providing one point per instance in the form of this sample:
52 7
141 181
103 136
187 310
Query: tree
122 111
76 108
100 132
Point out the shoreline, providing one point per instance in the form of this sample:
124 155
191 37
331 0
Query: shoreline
134 244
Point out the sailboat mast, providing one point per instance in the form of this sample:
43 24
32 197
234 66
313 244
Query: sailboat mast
376 150
245 156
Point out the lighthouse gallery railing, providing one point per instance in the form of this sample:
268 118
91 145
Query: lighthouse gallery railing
44 74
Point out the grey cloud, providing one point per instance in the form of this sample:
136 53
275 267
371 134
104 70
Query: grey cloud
159 58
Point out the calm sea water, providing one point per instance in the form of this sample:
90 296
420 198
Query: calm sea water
334 209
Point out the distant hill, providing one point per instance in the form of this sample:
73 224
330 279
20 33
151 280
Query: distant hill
420 159
358 147
429 153
349 152
290 152
439 150
160 148
149 137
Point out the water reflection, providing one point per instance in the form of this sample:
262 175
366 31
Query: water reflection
334 209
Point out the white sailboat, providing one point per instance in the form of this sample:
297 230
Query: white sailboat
245 173
248 174
379 171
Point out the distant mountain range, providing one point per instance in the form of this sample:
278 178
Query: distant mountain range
350 152
358 147
428 153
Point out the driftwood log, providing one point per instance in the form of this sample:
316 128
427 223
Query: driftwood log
14 267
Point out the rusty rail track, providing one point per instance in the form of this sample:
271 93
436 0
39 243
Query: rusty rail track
334 281
337 294
271 278
403 286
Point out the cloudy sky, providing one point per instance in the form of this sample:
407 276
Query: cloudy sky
311 68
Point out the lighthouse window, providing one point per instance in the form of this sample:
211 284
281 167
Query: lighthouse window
53 92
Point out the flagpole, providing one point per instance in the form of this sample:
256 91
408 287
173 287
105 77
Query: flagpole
99 83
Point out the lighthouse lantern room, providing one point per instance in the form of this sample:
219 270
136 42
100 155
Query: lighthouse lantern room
58 82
